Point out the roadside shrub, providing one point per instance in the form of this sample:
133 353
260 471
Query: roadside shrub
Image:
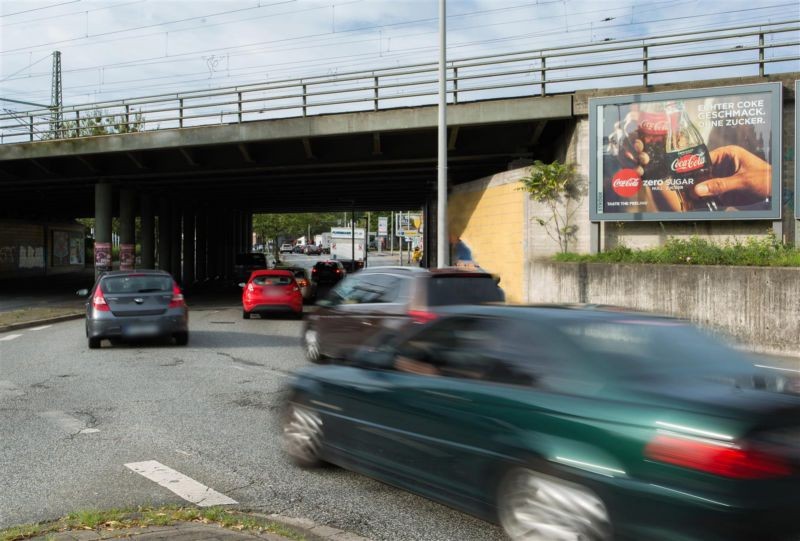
756 252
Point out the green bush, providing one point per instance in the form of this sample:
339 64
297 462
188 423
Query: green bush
756 252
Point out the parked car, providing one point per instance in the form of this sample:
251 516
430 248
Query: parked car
378 298
308 288
312 249
132 305
298 249
326 250
328 272
286 248
271 292
246 263
562 424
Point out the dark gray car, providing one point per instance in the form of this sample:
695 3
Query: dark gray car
135 305
388 298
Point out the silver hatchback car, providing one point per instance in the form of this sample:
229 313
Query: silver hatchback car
133 305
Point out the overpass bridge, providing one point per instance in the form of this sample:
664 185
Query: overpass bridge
204 161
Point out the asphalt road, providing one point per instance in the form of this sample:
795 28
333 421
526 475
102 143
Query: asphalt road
71 418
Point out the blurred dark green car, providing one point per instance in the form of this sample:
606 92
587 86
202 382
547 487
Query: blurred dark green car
563 423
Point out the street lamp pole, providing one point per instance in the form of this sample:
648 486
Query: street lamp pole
442 245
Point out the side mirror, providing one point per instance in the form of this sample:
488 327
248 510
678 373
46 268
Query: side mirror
242 284
82 293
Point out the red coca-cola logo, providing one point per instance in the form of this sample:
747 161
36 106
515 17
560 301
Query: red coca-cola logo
626 182
688 162
653 123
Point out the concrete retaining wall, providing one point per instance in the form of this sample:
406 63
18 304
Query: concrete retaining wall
756 306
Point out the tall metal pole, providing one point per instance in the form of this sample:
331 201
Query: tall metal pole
391 237
442 245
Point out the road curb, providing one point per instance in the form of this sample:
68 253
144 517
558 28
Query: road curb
310 529
39 322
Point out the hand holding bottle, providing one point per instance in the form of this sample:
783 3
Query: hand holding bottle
741 178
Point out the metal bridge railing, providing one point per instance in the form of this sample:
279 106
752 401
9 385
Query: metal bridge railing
732 51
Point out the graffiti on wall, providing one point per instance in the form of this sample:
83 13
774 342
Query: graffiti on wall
31 257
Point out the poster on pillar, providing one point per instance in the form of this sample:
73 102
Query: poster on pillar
102 256
126 256
700 154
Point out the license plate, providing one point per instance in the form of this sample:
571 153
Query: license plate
141 330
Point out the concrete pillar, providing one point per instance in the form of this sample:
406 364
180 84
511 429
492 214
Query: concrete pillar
188 247
102 227
147 242
431 245
201 237
237 231
164 229
228 244
175 238
248 230
127 229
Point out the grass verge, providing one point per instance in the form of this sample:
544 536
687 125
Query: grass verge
26 315
120 519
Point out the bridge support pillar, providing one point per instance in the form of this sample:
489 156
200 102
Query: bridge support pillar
103 205
201 265
164 245
127 229
147 240
248 230
188 247
175 241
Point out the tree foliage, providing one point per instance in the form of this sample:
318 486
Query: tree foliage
97 123
556 186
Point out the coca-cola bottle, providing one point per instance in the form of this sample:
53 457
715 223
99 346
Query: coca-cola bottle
687 158
652 132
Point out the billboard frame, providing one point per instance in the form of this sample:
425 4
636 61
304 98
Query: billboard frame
776 155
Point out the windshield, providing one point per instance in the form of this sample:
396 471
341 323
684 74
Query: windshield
447 290
272 280
141 283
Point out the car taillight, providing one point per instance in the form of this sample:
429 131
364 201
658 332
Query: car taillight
250 287
302 282
99 301
421 316
177 297
314 270
338 271
717 458
295 288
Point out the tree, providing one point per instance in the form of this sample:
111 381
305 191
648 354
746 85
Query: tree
276 227
557 187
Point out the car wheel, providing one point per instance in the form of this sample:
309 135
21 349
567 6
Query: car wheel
245 315
311 339
94 343
533 506
182 338
302 434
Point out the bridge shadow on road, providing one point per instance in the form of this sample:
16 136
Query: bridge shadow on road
228 339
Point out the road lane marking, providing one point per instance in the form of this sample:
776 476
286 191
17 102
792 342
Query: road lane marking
185 487
9 389
43 327
9 337
67 422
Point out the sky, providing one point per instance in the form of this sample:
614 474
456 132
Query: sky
115 49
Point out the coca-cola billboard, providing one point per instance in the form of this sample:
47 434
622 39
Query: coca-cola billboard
707 154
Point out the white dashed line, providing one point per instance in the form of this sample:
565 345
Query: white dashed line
9 337
67 422
185 487
43 327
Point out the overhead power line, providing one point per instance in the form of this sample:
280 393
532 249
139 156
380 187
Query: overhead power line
39 9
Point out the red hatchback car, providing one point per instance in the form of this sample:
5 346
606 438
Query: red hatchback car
271 291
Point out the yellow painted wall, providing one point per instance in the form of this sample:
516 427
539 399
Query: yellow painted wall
491 221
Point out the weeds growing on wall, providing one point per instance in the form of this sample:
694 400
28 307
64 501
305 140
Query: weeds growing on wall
757 252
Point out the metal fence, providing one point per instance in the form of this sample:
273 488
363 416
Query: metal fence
733 51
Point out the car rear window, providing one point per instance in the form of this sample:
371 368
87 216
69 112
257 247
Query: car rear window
272 280
251 259
141 283
446 290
